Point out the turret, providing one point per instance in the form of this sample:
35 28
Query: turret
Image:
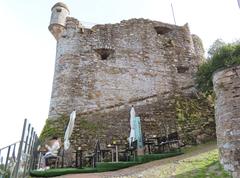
58 19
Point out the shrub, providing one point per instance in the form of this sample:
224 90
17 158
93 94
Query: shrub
226 56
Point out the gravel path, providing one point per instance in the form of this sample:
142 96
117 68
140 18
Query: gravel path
144 170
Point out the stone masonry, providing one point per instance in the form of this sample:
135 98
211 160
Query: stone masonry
227 112
101 71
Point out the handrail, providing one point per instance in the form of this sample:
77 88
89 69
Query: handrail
19 153
9 145
13 144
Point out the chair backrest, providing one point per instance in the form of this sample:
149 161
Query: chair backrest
60 151
162 139
143 138
173 136
134 144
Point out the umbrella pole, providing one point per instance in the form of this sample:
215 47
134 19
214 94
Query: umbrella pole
63 158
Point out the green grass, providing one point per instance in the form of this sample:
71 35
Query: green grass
112 166
152 157
61 171
192 148
195 165
203 165
101 167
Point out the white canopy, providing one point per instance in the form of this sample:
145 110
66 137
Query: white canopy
69 130
132 132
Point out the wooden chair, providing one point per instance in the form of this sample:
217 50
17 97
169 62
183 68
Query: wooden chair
171 142
174 141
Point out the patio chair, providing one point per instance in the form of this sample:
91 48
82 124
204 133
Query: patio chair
90 159
161 145
133 149
174 141
53 161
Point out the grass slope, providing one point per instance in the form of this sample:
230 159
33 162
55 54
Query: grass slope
202 165
198 162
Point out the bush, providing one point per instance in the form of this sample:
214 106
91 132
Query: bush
62 171
112 166
152 157
226 56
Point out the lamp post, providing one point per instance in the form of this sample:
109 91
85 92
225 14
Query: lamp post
79 157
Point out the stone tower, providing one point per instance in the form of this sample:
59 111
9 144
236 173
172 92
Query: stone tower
58 19
101 71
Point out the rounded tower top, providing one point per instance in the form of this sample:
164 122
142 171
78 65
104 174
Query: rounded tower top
60 4
58 19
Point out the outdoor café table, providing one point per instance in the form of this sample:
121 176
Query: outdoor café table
78 158
114 146
149 145
103 152
154 139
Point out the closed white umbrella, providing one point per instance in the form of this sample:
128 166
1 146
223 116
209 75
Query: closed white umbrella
132 132
69 130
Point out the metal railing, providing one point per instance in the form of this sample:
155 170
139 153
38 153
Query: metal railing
16 160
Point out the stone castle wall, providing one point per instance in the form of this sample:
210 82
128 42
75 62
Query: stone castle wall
102 71
227 89
138 63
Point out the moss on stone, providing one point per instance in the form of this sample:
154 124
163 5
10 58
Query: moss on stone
84 132
54 128
195 118
91 127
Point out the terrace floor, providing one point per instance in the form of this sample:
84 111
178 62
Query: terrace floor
149 169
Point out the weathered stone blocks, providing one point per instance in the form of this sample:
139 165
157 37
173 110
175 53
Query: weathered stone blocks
101 71
227 113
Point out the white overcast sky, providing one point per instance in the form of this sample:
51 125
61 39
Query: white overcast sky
27 49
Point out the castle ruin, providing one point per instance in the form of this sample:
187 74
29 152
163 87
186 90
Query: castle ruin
101 71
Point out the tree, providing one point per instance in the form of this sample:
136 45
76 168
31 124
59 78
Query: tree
217 44
222 57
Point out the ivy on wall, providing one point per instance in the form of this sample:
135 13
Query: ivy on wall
54 128
195 118
82 126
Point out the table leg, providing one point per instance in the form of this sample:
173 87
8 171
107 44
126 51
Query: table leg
112 155
76 159
80 159
149 151
116 153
